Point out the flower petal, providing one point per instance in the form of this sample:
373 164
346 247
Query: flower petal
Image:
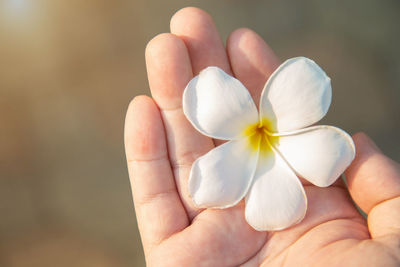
276 199
319 154
296 95
222 177
218 105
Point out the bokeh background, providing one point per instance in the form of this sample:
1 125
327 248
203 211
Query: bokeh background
68 69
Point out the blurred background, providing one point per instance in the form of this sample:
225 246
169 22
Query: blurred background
69 68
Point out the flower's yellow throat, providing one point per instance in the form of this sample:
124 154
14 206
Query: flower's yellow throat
259 138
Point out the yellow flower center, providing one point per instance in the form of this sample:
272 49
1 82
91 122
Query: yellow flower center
260 138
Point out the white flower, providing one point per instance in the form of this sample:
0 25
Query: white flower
268 149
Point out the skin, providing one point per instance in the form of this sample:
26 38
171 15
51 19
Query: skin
161 146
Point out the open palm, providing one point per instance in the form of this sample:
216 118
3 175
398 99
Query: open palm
161 146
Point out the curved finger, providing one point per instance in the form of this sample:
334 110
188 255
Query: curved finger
251 59
159 210
169 70
374 184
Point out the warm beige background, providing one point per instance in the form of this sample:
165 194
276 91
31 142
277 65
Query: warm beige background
68 69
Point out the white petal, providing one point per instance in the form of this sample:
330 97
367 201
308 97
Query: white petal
296 95
218 105
222 177
319 154
276 199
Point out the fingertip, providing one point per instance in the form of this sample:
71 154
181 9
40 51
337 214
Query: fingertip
242 35
188 15
259 54
245 40
140 102
238 40
200 35
168 68
161 43
144 130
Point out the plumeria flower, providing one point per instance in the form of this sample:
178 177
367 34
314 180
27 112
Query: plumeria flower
267 150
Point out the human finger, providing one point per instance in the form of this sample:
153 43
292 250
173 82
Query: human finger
197 29
374 184
169 70
159 210
251 59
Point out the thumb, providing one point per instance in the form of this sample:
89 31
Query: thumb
374 184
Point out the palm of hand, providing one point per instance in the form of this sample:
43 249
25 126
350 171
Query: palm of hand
161 145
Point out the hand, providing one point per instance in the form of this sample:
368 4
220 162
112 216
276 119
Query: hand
161 146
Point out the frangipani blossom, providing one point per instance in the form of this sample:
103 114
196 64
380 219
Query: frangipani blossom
267 150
